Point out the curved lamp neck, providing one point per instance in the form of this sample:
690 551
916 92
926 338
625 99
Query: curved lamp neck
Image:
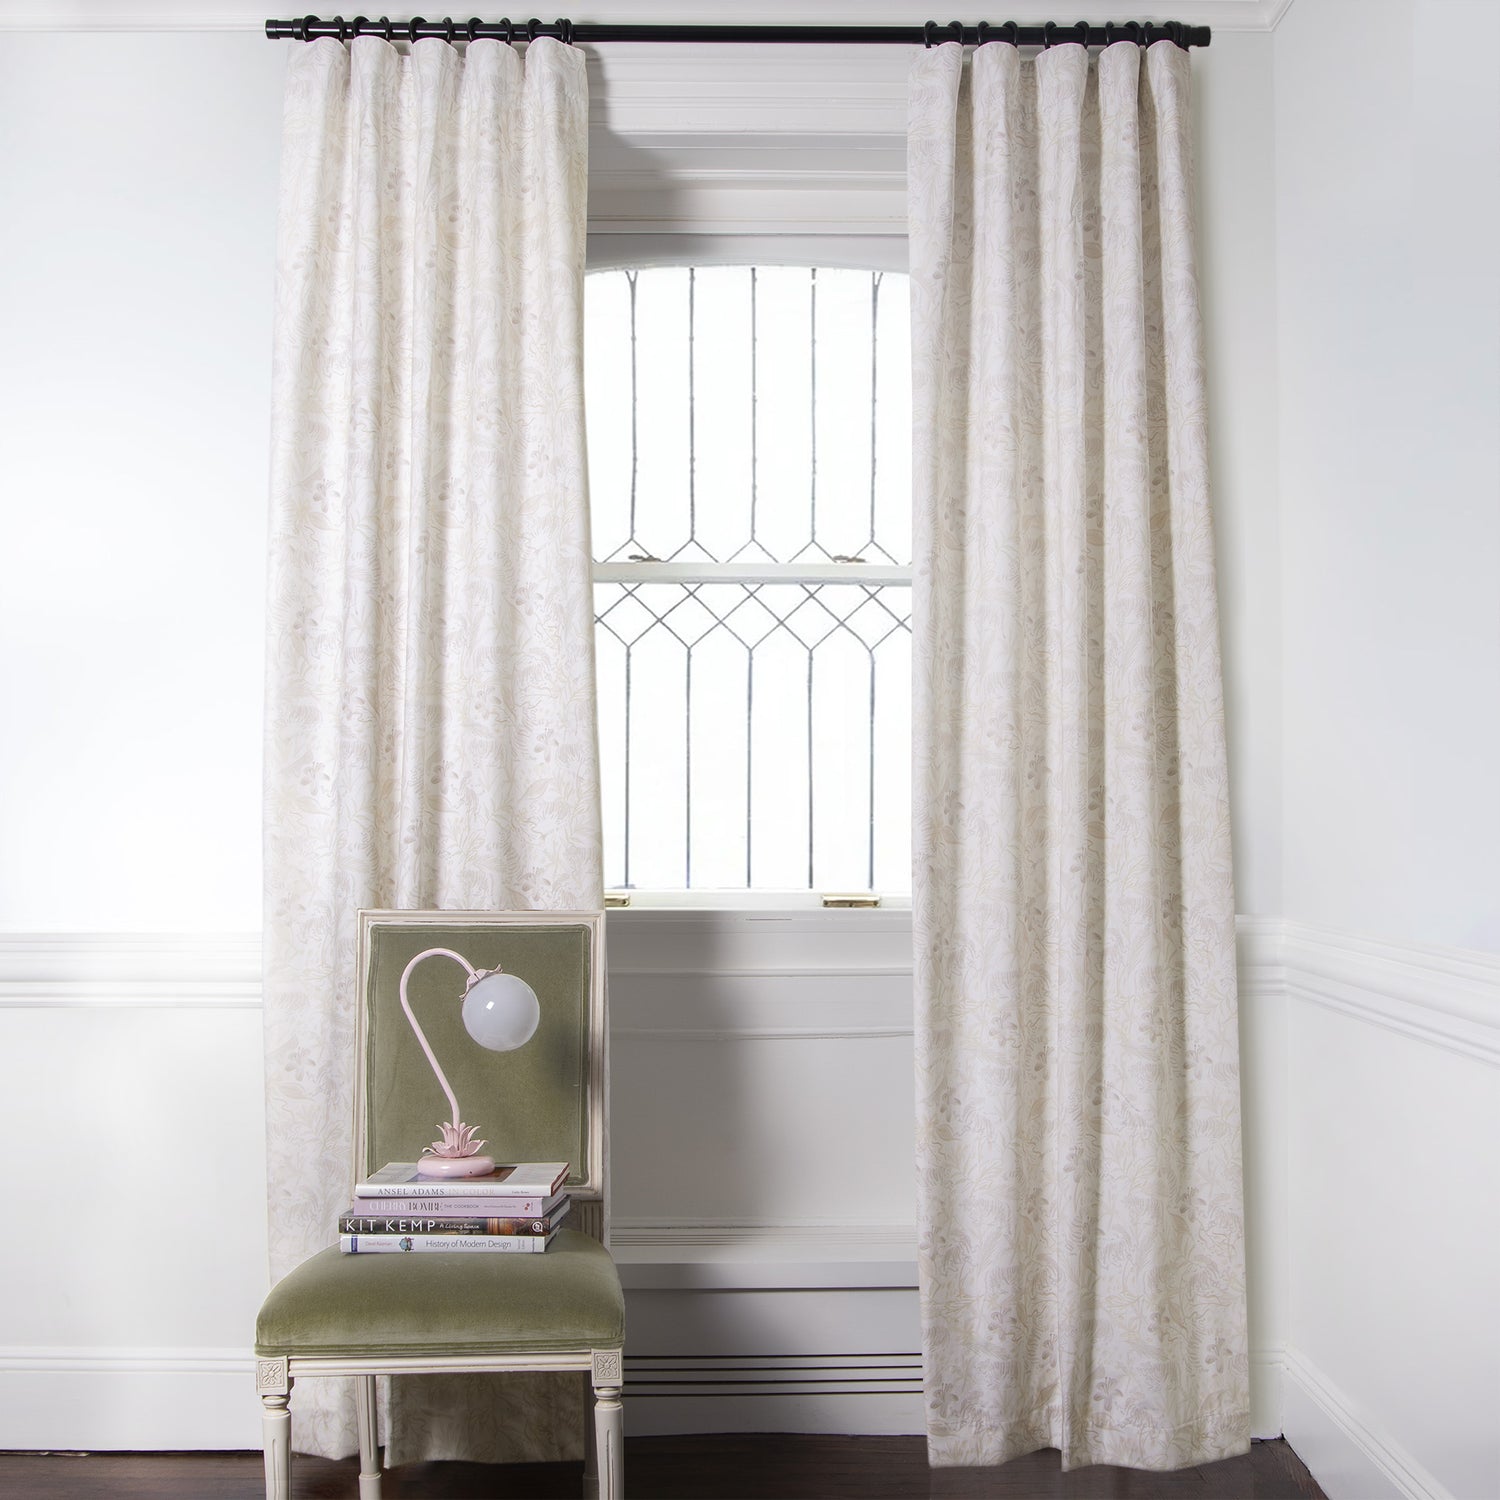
416 1027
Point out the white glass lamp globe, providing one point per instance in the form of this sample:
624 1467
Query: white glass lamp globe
501 1012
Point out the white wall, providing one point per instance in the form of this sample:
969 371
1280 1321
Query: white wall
1387 158
138 174
1236 245
1387 214
138 178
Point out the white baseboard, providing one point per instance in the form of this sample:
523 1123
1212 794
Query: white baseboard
1348 1457
204 1399
82 1399
1267 1391
131 1399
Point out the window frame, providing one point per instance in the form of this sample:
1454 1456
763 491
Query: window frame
609 251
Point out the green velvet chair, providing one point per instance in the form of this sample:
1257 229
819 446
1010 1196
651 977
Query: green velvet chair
562 1310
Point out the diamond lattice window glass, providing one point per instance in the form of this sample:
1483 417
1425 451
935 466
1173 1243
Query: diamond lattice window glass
749 466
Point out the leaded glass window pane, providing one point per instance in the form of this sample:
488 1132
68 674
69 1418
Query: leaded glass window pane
749 459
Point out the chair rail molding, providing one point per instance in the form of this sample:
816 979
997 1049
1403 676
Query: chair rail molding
1446 997
112 1360
175 970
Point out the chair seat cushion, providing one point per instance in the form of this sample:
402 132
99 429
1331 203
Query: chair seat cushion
566 1298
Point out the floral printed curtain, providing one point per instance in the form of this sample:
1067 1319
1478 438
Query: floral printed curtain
430 736
1081 1242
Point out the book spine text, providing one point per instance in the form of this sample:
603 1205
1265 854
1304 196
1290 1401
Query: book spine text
398 1244
422 1224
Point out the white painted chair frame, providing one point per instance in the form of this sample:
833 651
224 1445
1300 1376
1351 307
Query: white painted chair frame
604 1436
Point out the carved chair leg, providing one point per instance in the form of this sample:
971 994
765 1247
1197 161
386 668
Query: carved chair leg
590 1449
369 1437
609 1423
609 1434
276 1437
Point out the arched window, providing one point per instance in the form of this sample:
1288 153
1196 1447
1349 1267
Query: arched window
749 462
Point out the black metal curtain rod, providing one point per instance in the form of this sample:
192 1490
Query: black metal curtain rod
1050 34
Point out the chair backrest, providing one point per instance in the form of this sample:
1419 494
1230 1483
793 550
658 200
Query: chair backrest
546 1101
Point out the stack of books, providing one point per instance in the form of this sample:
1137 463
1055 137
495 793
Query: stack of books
515 1209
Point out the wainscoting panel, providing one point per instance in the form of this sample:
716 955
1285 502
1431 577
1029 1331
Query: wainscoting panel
134 1248
763 1211
1392 1119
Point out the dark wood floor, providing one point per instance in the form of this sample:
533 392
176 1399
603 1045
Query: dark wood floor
739 1466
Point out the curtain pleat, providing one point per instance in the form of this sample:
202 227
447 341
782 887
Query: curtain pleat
430 737
1081 1243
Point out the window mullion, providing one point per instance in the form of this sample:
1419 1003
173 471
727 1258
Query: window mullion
885 575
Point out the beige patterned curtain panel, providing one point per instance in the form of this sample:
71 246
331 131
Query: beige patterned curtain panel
430 687
1081 1244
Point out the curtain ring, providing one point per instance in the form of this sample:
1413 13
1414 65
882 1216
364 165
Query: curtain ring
982 31
448 30
564 31
473 28
357 26
1109 33
1082 28
412 25
510 31
1011 32
1049 34
300 29
928 39
532 27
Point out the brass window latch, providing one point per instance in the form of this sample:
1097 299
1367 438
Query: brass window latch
860 899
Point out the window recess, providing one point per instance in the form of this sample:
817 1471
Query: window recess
750 473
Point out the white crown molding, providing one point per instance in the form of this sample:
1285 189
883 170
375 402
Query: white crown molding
1277 11
235 15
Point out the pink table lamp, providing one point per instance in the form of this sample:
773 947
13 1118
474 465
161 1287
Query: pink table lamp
500 1012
